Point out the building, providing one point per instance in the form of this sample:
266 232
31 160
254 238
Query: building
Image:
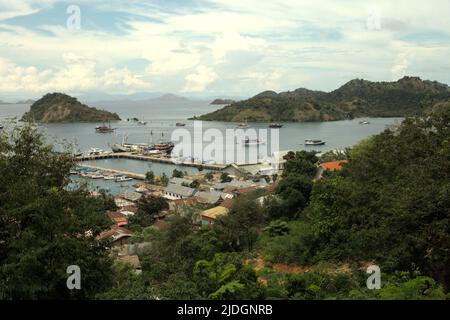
278 160
329 166
209 216
119 218
174 192
132 196
211 197
118 235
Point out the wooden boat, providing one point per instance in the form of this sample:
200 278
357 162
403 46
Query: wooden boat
275 125
180 124
312 142
104 129
252 142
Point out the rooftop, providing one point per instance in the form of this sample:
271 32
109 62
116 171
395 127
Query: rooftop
180 190
333 165
215 212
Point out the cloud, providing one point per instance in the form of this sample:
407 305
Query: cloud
400 68
200 79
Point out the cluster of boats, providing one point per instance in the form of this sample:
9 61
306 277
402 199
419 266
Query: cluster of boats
104 175
144 148
244 125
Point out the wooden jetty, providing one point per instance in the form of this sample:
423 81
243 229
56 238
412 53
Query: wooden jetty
133 175
131 156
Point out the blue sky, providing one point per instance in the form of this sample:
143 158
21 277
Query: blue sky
218 47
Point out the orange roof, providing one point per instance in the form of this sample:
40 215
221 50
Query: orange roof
227 203
333 165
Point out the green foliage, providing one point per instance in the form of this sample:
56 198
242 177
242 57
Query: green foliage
150 177
164 179
277 228
227 277
148 209
44 226
225 177
240 227
177 173
209 176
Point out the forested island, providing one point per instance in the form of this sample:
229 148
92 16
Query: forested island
222 101
60 107
357 98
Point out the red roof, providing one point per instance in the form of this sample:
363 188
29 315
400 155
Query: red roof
333 165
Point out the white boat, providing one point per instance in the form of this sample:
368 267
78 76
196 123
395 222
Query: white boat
252 142
123 179
312 142
97 176
110 177
364 122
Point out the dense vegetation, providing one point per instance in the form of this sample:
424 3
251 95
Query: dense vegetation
44 227
310 239
357 98
59 107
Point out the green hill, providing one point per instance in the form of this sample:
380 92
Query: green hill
357 98
59 107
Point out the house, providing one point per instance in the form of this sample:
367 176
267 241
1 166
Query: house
132 196
209 216
122 203
173 192
329 166
118 235
232 184
118 217
211 197
181 203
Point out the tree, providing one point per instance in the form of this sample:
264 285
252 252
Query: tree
177 173
164 180
239 228
209 176
195 184
148 209
300 163
225 177
46 226
394 195
150 177
227 277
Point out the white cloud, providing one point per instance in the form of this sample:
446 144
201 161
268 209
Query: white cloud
198 81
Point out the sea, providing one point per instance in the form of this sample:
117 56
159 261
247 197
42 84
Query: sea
161 117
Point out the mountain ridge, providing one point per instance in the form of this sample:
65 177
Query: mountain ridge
356 98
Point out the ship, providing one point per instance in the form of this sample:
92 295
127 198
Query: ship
311 142
104 129
180 124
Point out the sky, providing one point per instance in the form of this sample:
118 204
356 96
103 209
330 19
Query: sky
217 47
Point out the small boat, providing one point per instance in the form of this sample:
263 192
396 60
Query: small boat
242 125
142 122
252 142
109 177
104 129
364 122
311 142
96 176
275 125
119 148
180 124
123 179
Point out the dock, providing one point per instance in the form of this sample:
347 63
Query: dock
133 175
131 156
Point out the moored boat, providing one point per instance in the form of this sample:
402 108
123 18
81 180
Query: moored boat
104 129
275 125
312 142
180 124
123 179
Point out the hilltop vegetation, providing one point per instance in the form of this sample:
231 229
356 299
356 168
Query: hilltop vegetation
357 98
59 107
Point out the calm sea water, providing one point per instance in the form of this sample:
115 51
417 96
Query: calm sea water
163 115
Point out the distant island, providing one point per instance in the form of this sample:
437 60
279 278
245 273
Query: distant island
357 98
28 101
60 107
223 101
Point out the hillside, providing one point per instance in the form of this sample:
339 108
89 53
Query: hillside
59 107
357 98
222 101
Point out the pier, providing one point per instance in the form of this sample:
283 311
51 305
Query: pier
133 175
131 156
